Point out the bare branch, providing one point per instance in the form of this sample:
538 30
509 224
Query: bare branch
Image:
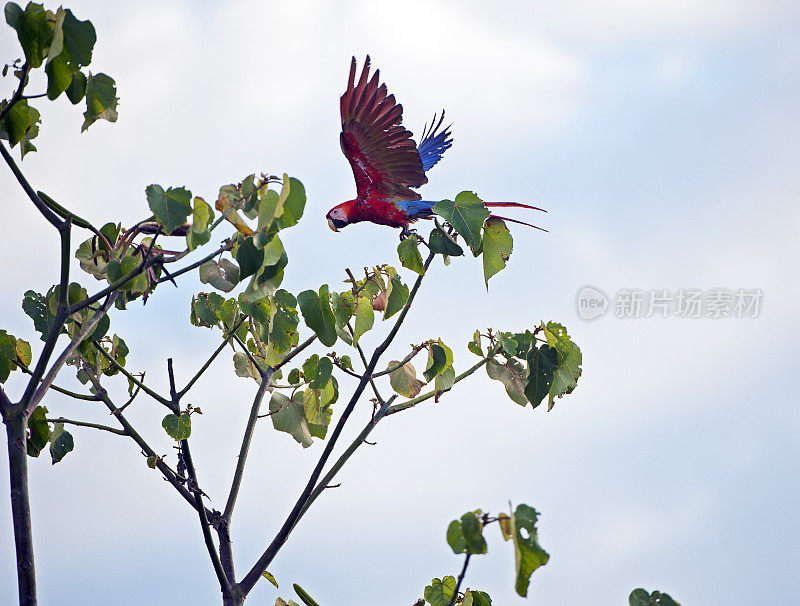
119 432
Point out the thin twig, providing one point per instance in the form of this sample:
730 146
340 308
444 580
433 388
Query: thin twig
61 390
157 397
208 362
426 396
119 432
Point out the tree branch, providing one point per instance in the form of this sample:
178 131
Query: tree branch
174 274
427 396
84 332
248 435
20 508
337 466
460 579
194 488
23 82
48 214
208 362
249 581
157 397
165 470
119 432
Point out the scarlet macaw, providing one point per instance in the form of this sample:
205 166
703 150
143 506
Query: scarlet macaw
386 162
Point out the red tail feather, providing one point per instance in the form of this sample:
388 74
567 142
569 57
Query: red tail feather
513 205
517 221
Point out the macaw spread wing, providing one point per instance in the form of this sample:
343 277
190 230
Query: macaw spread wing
380 150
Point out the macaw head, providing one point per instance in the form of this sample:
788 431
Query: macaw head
340 215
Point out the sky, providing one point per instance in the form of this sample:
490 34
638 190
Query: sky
663 139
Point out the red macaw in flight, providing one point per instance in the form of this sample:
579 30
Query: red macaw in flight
387 164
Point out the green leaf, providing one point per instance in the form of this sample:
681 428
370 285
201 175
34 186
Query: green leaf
466 535
528 553
437 361
61 442
294 201
323 369
33 30
79 39
35 306
497 246
303 594
222 275
170 207
288 415
365 318
77 88
23 351
640 597
20 125
249 258
317 405
440 591
270 577
408 251
202 216
441 243
344 306
542 363
318 315
404 379
38 431
397 297
116 270
284 321
476 598
178 427
565 376
512 375
466 214
59 76
101 102
152 461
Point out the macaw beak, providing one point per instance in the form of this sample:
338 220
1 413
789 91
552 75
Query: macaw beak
331 225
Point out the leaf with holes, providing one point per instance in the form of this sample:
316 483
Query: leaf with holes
178 427
512 375
528 553
61 442
565 376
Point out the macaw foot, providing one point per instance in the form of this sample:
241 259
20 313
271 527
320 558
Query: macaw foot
407 233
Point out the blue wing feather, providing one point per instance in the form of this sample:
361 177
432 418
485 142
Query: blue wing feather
434 143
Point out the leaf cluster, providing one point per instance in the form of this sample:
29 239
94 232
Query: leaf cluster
62 45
